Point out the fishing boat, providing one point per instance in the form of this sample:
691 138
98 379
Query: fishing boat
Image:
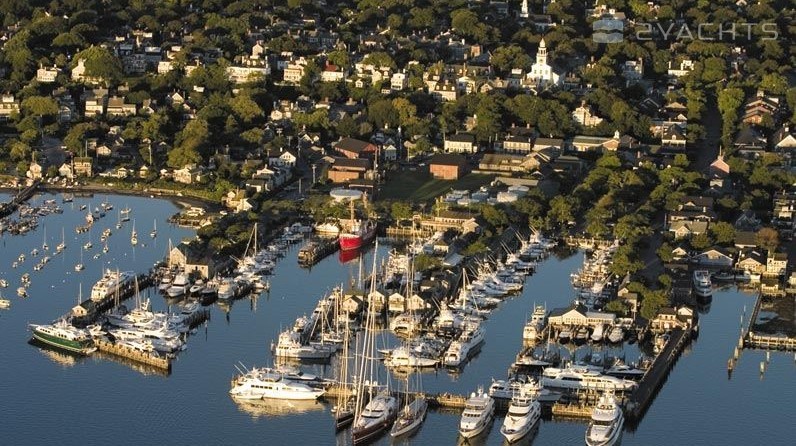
478 412
533 328
702 284
606 423
524 411
267 383
64 336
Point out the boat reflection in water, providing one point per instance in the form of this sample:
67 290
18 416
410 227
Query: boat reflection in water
58 356
277 408
348 255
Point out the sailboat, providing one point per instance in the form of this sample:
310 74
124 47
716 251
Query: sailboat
88 244
154 232
44 246
119 220
105 248
344 410
412 415
374 418
134 236
79 267
61 246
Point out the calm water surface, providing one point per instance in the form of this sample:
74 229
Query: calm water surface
47 397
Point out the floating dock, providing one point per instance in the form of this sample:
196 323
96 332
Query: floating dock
161 362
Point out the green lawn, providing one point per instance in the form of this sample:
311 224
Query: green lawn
419 186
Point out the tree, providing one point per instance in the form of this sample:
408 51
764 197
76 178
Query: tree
506 58
723 232
400 210
19 151
425 262
100 63
701 241
665 252
768 238
617 306
40 106
245 107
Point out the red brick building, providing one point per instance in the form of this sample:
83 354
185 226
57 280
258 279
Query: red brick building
355 148
447 166
344 170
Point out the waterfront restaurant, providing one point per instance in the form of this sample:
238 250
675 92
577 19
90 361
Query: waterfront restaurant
577 315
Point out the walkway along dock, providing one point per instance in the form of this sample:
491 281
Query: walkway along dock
21 197
653 379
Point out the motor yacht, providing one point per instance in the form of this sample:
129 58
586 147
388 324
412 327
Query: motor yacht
260 383
478 412
583 378
524 411
179 286
461 349
606 423
533 327
702 284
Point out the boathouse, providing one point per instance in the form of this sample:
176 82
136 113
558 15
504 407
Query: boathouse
577 315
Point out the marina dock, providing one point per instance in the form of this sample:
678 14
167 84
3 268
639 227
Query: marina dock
22 196
161 362
653 379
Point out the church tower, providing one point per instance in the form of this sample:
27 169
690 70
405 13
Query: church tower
524 9
541 55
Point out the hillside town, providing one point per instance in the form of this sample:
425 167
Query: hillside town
462 128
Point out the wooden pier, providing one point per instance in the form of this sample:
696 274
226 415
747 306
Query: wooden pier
768 342
21 197
655 376
588 243
161 362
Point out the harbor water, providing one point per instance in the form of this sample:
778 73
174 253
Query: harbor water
49 397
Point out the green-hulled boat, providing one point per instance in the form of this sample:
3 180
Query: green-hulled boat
64 336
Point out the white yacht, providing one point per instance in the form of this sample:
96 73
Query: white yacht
598 333
289 346
403 356
179 286
703 287
606 423
109 283
260 383
478 412
227 289
579 378
461 349
533 328
616 335
524 412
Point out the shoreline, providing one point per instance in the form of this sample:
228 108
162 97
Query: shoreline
179 201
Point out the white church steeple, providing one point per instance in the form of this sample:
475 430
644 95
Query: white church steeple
541 55
524 9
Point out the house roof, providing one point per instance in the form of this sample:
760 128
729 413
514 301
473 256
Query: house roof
447 159
745 239
354 145
690 226
356 163
461 137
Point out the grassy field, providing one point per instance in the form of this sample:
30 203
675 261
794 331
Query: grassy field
419 186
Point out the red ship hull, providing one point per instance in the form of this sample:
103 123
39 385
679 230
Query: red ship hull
351 241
